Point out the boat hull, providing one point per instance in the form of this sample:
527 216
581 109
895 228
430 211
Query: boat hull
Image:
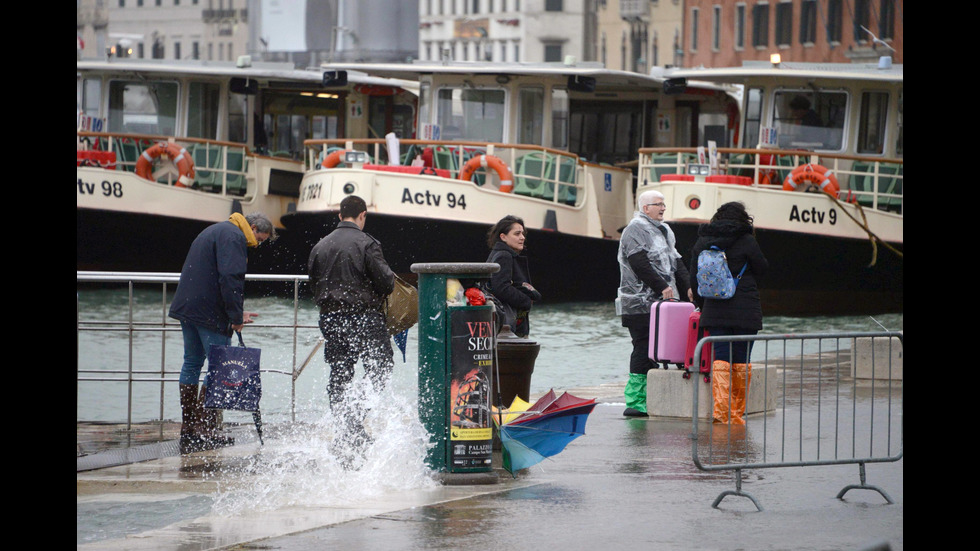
821 261
818 275
563 267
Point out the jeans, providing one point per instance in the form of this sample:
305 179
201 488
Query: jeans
197 342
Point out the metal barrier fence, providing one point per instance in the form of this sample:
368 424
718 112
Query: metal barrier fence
832 399
131 326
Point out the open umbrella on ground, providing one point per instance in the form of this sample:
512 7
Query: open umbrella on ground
530 433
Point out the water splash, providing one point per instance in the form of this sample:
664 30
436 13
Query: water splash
317 461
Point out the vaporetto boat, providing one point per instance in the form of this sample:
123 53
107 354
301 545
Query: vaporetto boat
534 141
167 148
821 170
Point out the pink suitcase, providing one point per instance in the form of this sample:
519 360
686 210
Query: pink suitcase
669 322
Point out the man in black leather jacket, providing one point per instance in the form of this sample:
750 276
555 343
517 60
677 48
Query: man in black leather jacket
352 281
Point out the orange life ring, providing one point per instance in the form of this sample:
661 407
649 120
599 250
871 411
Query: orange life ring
814 174
333 159
489 161
179 156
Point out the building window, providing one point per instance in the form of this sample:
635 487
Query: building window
195 50
176 50
784 24
716 28
553 5
862 18
760 25
808 22
694 28
740 27
552 52
886 24
835 20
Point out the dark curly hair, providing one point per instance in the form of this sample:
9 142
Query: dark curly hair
733 211
503 226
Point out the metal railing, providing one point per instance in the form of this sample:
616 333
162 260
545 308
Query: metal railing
873 182
218 167
839 402
133 374
539 172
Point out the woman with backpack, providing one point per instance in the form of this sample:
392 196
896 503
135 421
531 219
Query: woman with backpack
730 230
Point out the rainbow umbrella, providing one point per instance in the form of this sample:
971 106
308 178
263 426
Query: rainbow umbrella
530 433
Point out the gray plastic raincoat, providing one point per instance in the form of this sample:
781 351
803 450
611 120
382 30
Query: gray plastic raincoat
658 241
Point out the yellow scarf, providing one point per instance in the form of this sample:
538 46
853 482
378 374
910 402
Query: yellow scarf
240 221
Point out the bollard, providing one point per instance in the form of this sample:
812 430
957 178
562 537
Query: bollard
455 369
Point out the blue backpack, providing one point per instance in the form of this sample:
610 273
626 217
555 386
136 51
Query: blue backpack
714 278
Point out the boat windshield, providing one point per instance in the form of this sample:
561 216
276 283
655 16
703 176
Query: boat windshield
466 114
810 119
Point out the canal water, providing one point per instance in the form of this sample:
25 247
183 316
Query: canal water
582 344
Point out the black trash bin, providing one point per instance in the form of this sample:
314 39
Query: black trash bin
515 360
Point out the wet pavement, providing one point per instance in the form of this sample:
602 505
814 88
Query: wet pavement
626 484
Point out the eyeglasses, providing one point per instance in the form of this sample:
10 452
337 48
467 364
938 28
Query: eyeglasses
655 205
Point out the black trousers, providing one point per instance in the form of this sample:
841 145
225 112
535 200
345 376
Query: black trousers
639 328
350 337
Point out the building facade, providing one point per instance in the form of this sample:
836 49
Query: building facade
724 33
305 32
506 30
634 35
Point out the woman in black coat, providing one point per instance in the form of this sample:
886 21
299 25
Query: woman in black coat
512 284
731 230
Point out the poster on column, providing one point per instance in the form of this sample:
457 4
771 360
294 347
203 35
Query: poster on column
471 353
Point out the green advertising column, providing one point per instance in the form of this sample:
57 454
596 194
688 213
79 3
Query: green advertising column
455 367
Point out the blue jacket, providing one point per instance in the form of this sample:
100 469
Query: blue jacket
211 292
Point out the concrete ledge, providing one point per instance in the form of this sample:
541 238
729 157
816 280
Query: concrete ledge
871 361
669 394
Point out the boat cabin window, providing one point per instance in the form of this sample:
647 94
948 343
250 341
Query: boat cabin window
808 119
425 104
874 115
559 118
753 117
469 114
202 111
291 117
143 107
530 116
237 106
899 149
89 93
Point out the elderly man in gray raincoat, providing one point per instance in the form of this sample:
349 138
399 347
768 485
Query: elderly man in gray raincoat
651 269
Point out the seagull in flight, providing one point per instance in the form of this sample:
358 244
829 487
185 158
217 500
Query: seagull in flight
876 40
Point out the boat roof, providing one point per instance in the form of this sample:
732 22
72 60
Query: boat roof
786 71
257 69
605 78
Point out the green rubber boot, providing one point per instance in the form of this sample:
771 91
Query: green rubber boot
636 396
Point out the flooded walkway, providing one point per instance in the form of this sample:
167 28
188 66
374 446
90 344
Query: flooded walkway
626 484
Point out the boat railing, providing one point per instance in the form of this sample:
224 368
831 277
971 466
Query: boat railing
869 181
539 172
219 167
140 351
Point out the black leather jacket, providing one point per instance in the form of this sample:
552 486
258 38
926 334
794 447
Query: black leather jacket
349 271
